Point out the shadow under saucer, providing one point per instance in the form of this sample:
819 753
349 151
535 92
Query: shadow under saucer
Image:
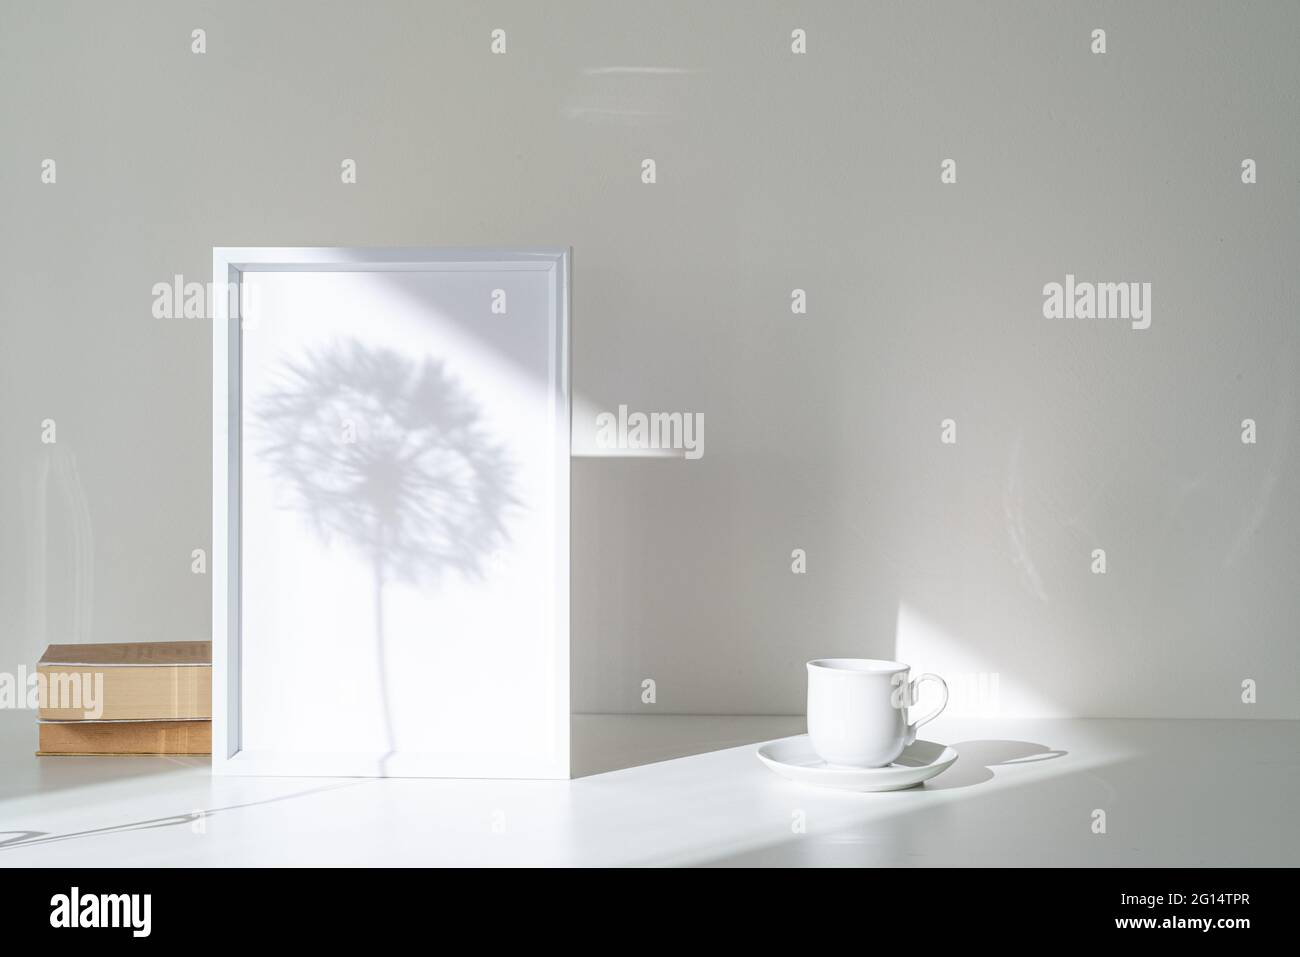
977 759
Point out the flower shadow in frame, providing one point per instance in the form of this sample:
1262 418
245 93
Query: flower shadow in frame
389 455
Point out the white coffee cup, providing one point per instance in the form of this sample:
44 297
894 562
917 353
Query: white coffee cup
857 710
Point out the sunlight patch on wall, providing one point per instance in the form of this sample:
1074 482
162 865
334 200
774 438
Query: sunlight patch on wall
977 687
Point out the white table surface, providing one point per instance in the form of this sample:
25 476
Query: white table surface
1023 792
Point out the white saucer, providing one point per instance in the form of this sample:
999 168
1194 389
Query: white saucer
794 758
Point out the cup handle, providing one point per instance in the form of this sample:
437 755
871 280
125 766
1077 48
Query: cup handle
916 684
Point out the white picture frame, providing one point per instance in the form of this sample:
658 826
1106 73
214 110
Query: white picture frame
241 693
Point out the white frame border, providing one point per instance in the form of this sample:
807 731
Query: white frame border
228 266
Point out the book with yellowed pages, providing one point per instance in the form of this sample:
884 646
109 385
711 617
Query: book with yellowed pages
130 681
124 737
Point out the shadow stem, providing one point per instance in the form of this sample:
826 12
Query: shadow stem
381 656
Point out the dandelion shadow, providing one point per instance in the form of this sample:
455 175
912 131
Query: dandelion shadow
390 456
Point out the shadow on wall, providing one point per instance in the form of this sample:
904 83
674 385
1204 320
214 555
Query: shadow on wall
390 456
60 537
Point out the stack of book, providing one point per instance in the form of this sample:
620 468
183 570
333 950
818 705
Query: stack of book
131 698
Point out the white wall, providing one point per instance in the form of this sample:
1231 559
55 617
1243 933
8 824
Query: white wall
775 171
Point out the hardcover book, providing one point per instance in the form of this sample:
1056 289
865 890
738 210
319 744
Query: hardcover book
125 737
126 681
